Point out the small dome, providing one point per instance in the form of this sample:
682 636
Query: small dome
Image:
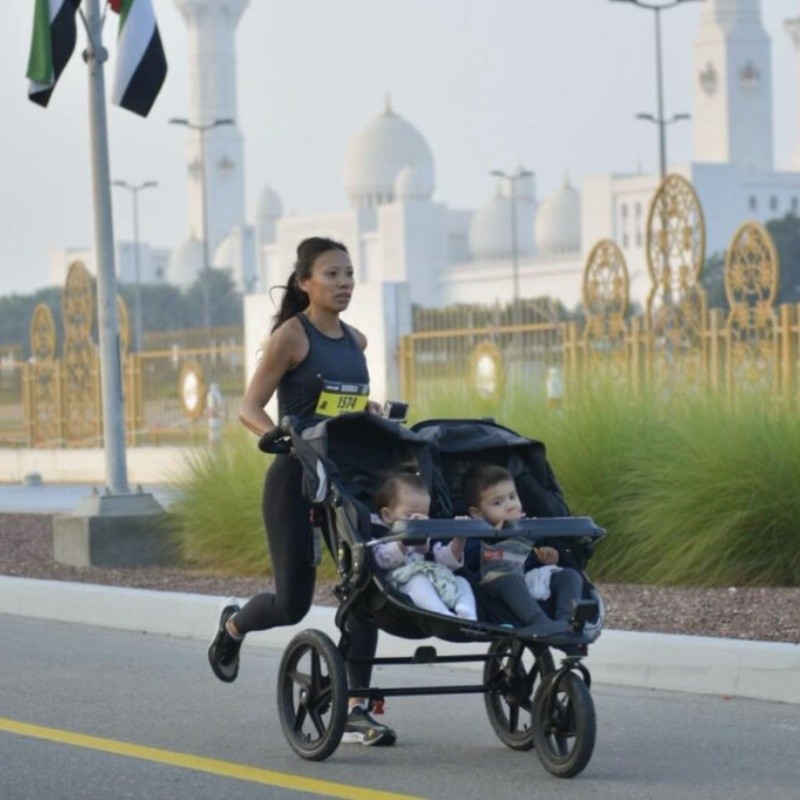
228 252
378 153
269 204
186 262
558 223
490 233
412 183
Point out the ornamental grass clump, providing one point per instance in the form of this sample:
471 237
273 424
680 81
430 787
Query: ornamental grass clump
719 504
218 508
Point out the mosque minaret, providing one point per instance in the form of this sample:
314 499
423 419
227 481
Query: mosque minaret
211 27
793 28
733 86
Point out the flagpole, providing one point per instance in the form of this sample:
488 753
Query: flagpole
108 324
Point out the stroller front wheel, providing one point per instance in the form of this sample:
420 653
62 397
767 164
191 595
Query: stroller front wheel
511 677
312 695
564 724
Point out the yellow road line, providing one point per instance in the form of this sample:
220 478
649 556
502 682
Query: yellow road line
227 769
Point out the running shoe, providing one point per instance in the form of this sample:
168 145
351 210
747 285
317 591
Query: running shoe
223 652
361 728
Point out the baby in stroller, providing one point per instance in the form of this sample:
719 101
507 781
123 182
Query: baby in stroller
513 571
430 584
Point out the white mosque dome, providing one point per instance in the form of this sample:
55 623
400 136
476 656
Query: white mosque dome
412 183
378 153
186 262
269 204
228 252
490 233
558 223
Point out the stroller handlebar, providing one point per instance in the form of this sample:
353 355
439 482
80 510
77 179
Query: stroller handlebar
278 440
533 528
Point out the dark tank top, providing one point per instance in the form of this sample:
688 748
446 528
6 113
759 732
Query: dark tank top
331 379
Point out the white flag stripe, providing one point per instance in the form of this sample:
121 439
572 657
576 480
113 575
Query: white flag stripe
133 41
55 7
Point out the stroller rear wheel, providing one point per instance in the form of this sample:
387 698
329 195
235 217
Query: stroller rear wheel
511 677
312 695
564 724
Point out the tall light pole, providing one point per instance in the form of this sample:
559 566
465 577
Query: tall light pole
202 130
137 312
657 7
512 179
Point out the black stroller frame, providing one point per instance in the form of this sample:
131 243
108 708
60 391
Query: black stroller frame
531 703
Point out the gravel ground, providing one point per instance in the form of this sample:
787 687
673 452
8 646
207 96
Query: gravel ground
766 614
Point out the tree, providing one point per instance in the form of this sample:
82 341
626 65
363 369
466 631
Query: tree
786 235
226 301
16 312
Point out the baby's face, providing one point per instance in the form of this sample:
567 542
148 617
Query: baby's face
499 503
408 504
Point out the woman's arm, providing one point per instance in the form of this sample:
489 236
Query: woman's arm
284 349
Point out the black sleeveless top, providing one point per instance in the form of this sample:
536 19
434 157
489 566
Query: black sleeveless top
328 362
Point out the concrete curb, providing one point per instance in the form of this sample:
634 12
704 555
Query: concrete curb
728 667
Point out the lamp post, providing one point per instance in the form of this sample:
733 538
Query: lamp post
202 130
657 7
512 179
137 311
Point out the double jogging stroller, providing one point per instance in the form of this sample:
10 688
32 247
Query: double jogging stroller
530 702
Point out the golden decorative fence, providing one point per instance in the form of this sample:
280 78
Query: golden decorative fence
52 401
492 351
678 341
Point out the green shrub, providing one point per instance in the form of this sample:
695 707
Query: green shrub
692 490
218 509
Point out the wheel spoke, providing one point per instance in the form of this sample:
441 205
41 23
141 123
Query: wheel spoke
319 723
300 718
315 671
300 679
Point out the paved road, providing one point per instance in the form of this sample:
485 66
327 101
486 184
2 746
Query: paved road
162 727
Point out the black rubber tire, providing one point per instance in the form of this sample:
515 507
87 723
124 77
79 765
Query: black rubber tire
514 673
312 695
565 725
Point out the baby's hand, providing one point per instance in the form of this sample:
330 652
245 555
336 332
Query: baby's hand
546 555
418 516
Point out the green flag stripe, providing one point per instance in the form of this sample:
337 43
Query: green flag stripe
52 44
123 12
40 61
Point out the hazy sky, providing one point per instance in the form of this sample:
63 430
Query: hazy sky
553 84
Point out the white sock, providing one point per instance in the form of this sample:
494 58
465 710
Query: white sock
237 636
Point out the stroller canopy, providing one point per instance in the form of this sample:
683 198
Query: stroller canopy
457 445
358 452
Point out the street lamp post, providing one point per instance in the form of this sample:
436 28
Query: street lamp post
137 312
512 179
657 7
202 130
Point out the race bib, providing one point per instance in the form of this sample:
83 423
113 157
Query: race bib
342 398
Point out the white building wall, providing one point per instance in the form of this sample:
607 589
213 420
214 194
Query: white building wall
413 246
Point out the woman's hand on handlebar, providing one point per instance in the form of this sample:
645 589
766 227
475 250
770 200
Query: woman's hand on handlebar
275 441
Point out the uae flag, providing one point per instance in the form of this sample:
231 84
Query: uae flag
141 64
52 44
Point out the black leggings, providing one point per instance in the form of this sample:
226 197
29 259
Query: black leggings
286 519
509 594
